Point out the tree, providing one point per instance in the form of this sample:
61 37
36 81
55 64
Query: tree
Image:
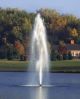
62 49
20 49
16 25
10 51
73 32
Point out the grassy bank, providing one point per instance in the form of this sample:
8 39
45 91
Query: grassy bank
55 66
13 66
65 66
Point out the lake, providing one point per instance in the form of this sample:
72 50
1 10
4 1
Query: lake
63 86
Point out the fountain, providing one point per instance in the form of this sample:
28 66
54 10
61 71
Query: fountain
39 61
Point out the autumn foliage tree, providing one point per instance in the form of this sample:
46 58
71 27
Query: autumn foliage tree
17 25
20 49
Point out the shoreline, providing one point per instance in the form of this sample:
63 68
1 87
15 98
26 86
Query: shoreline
66 66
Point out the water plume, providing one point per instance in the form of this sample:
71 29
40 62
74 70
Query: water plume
39 61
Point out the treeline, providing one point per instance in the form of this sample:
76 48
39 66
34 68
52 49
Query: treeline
16 27
61 27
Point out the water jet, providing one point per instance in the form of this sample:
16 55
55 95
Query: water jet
39 61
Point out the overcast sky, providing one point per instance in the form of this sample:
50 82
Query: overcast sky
62 6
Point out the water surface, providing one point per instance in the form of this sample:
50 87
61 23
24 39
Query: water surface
64 86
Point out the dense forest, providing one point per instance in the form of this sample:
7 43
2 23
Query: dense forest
16 28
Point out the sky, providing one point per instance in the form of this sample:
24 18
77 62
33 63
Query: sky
62 6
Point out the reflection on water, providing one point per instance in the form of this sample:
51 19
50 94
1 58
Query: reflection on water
41 93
